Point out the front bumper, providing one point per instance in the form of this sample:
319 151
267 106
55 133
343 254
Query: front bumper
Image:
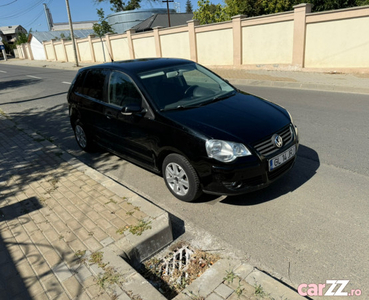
246 176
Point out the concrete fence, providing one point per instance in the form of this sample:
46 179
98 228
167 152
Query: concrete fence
333 40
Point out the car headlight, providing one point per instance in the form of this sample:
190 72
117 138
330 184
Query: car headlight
225 151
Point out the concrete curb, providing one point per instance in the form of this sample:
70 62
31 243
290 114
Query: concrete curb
213 278
131 282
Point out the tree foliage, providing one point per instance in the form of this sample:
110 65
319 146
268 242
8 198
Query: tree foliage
249 8
209 13
252 8
189 8
322 5
22 38
103 27
120 5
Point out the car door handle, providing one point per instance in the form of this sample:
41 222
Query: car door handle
109 115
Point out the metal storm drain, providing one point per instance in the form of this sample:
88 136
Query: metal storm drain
177 262
173 273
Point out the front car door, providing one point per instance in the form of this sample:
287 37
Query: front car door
131 135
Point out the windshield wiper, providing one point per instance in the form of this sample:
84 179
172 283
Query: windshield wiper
224 96
179 107
216 98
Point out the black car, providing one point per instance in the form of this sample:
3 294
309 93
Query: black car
178 119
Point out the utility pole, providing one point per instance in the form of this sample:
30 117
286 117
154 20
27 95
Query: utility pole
167 1
71 33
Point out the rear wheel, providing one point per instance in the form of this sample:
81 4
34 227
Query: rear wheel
83 138
181 178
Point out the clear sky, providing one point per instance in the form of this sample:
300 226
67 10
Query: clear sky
30 13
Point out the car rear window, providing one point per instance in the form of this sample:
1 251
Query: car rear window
78 83
94 84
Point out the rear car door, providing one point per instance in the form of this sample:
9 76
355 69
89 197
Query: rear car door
90 104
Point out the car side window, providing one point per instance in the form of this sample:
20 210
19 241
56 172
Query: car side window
122 91
94 84
78 84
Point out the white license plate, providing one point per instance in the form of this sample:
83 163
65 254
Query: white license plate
282 158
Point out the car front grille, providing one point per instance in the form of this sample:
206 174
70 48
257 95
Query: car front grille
267 147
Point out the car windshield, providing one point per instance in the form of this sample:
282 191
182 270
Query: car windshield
184 86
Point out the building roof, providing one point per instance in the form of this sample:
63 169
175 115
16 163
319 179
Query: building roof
162 20
11 29
44 36
76 25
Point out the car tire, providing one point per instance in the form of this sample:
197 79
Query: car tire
181 178
82 136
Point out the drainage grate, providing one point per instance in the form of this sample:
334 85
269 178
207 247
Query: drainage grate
177 262
179 268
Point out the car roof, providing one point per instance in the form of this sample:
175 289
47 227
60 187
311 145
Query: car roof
141 65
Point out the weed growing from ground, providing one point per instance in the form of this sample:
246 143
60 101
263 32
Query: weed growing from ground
96 258
110 276
111 201
230 276
137 229
259 291
239 289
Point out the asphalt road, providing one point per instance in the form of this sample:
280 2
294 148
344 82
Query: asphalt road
309 227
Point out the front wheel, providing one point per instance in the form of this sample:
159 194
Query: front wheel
83 139
181 178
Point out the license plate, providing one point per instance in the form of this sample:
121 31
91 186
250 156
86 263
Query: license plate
282 158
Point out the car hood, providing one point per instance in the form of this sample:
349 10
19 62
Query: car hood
240 118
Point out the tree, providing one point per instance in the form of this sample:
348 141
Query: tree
119 5
276 6
22 38
322 5
103 27
209 13
249 8
253 8
189 8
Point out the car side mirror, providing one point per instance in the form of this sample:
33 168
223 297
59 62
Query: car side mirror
132 109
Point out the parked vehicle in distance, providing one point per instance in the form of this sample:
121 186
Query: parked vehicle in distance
178 119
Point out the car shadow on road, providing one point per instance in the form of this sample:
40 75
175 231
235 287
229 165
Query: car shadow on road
17 83
306 166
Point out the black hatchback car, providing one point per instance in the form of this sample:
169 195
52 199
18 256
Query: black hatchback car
178 119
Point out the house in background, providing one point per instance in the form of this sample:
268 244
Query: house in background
35 40
10 33
161 20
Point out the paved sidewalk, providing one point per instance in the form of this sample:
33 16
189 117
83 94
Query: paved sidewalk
329 81
57 215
